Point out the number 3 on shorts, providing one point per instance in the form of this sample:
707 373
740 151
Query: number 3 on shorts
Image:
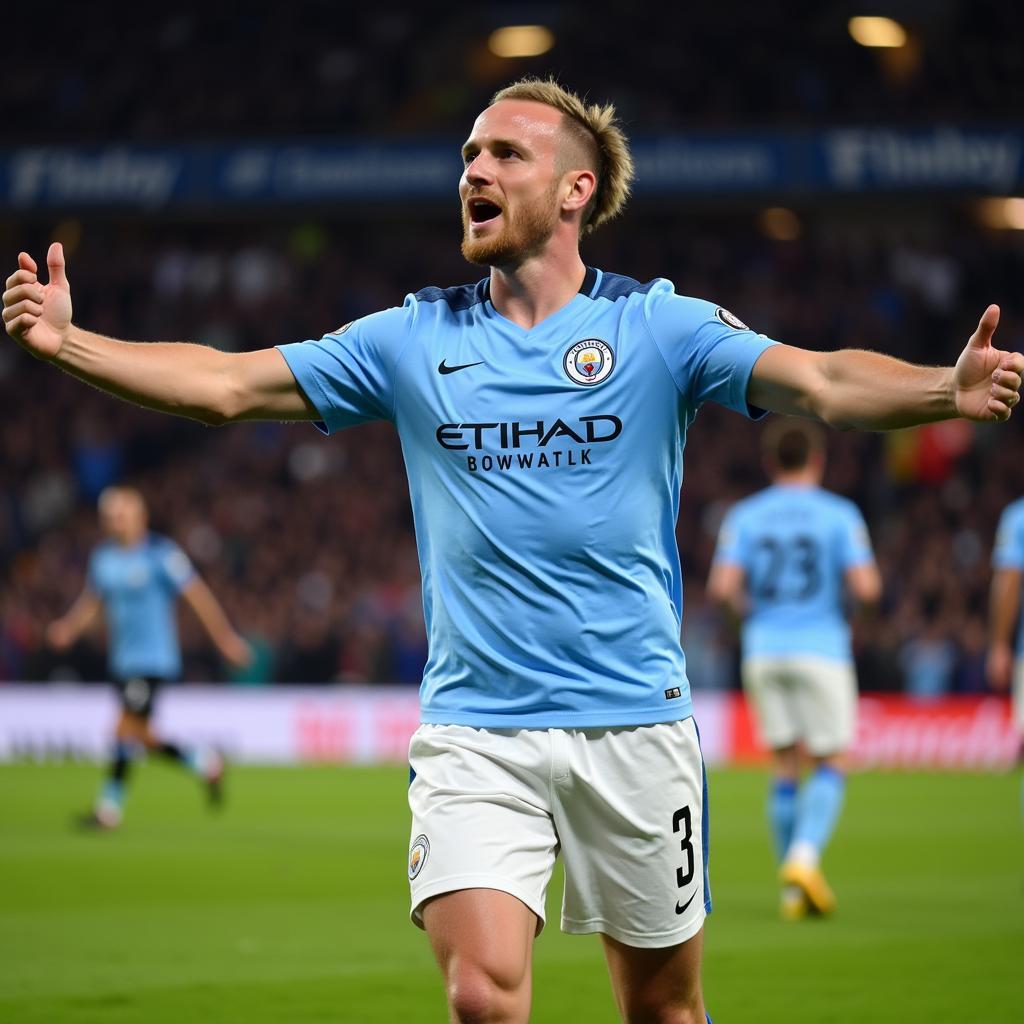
682 817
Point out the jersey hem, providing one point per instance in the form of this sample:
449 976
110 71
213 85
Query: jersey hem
608 718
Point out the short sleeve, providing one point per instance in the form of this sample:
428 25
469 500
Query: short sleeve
349 374
175 565
709 352
855 541
729 549
1009 549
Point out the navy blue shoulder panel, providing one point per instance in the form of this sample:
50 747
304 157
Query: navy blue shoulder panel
615 286
459 298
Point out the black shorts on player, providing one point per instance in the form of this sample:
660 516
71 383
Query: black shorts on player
138 694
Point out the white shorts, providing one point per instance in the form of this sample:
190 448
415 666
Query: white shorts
803 697
1018 695
491 809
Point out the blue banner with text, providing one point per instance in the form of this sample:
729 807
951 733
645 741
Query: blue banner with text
842 160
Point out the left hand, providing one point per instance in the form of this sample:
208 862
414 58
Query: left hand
987 380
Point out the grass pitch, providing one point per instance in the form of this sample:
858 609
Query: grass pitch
291 907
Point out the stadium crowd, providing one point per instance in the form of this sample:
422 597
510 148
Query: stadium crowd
218 72
308 541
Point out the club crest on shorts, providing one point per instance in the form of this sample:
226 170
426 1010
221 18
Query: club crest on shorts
418 855
731 320
589 362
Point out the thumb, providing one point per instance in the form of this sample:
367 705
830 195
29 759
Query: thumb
55 264
987 325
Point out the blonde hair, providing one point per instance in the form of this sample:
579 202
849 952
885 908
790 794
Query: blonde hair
597 131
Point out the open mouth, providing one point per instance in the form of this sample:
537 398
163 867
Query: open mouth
483 210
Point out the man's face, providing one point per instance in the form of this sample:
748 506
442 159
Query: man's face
509 188
123 516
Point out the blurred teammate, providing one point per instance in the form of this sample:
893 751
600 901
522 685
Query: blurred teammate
542 414
787 559
134 579
1005 613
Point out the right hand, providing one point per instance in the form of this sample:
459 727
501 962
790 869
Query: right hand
59 635
37 316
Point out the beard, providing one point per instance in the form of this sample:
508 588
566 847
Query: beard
524 234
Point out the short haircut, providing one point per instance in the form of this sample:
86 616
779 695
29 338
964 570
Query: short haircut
789 444
596 130
115 491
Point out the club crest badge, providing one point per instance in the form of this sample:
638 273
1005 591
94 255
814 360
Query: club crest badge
418 855
731 320
589 362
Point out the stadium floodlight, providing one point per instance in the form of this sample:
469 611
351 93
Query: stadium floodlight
521 41
1003 213
877 32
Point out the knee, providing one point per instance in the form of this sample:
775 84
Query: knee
479 996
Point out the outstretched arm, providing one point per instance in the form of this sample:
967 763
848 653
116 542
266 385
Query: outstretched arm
853 389
232 647
63 632
175 377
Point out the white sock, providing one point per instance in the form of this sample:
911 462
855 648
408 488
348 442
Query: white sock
803 852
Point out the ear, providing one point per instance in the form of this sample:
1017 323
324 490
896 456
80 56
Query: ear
578 189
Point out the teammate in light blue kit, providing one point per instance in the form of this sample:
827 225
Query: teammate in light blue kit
542 413
788 560
1007 614
135 578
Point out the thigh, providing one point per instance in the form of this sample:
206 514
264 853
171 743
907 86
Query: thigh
767 684
649 984
483 942
480 815
826 693
631 813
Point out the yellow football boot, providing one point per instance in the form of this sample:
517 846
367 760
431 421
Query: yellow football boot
811 882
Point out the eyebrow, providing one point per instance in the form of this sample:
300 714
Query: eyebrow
511 144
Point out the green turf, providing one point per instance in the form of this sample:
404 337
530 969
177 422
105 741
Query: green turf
291 907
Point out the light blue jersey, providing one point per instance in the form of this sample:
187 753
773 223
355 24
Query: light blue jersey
1009 552
139 588
544 467
794 544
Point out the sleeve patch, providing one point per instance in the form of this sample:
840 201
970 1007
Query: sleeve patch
178 567
731 320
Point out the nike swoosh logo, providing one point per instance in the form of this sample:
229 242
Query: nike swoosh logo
682 909
442 367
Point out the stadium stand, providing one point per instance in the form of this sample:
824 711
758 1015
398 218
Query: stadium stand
309 540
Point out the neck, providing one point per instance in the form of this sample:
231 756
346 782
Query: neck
798 478
529 292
